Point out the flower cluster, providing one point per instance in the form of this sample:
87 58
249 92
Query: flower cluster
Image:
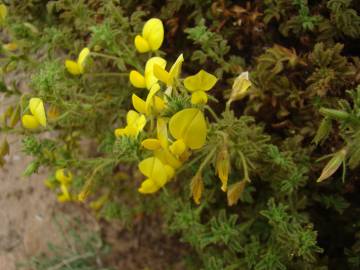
62 180
172 138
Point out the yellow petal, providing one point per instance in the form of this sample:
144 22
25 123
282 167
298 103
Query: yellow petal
161 128
82 58
140 123
63 176
150 78
178 147
190 126
175 69
199 97
201 81
149 103
148 186
136 79
131 117
65 196
120 132
151 144
169 171
30 122
153 168
141 44
166 157
37 109
153 32
161 74
159 104
72 67
139 104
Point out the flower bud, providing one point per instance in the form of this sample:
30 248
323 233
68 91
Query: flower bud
222 167
197 187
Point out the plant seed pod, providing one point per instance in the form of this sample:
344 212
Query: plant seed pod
235 191
197 187
222 166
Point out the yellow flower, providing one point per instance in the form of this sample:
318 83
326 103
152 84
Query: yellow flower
157 174
77 68
37 116
3 13
174 72
178 147
135 124
64 176
189 125
64 196
160 146
240 87
152 36
151 144
222 167
199 83
148 80
152 104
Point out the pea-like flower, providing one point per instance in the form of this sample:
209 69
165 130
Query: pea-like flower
37 116
135 124
198 84
157 173
152 36
168 77
64 177
78 67
148 79
189 126
240 87
152 104
160 146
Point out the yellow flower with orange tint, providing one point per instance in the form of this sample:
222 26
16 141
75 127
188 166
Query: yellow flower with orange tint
198 84
78 67
152 36
37 116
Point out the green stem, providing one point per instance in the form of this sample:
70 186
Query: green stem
120 74
105 56
212 113
206 160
